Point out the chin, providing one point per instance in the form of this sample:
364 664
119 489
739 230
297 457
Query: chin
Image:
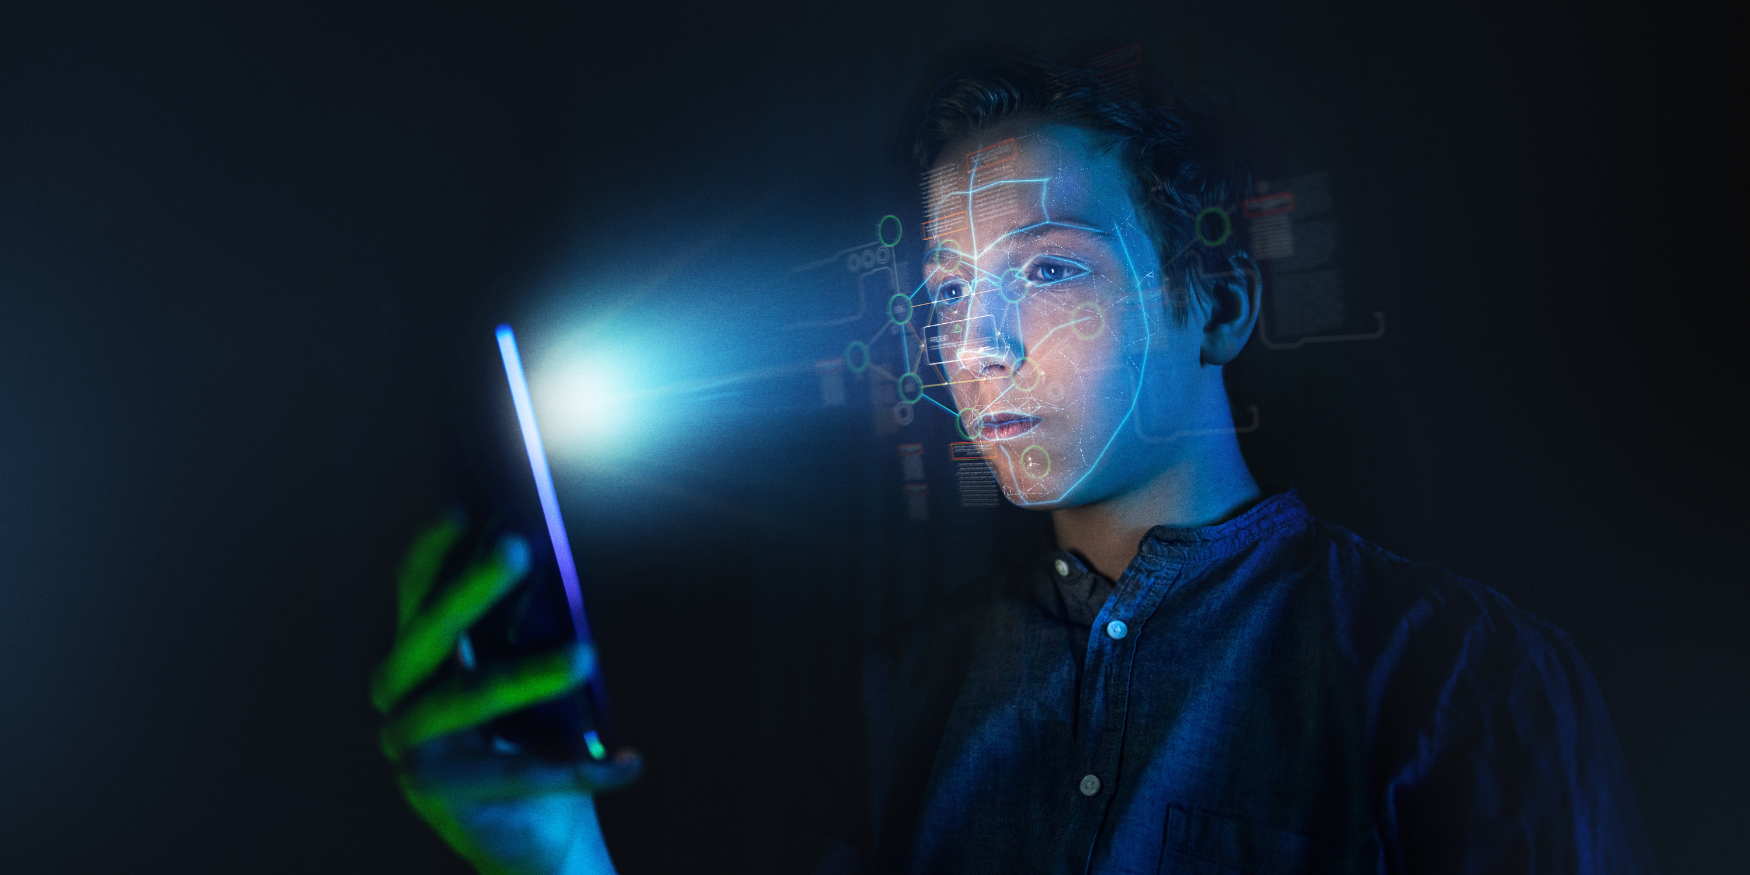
1034 494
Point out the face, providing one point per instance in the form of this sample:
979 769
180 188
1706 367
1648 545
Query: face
1049 324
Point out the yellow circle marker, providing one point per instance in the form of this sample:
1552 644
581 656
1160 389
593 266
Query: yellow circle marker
1036 464
1093 318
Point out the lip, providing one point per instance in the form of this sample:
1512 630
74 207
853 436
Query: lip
1005 425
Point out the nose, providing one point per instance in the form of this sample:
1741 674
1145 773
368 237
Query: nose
985 361
991 347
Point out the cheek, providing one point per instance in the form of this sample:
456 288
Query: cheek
1087 374
1048 334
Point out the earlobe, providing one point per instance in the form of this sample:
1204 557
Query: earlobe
1233 298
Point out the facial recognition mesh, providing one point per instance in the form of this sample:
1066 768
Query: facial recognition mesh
1040 325
1040 288
1035 328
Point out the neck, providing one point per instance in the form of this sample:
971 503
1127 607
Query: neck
1205 487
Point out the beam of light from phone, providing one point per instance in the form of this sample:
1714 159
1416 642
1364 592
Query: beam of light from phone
525 414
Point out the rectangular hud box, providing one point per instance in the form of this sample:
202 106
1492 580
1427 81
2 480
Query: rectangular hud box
949 341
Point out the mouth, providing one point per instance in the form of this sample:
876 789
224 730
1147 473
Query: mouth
1002 426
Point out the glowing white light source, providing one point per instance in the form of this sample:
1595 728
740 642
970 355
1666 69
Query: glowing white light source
582 402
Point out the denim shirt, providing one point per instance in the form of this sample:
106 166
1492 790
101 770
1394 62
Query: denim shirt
1269 695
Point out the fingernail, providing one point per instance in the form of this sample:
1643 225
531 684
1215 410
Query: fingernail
582 659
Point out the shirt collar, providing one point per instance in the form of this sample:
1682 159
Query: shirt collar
1179 543
1067 589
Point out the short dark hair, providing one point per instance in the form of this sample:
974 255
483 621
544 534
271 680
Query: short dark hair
1184 173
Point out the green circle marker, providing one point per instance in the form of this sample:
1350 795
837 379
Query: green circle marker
881 230
911 388
899 309
1028 465
1227 226
1012 278
1035 371
960 425
857 356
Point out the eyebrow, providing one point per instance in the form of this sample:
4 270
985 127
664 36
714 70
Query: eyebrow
1069 224
1035 230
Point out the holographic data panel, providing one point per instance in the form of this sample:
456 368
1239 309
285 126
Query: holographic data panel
1293 234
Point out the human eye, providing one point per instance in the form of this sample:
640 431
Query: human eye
1049 271
949 292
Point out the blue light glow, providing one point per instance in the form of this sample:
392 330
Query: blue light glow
585 404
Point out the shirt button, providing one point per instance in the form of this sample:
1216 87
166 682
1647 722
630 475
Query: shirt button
1090 785
1117 629
1062 568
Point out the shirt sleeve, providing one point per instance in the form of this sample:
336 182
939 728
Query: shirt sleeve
1519 769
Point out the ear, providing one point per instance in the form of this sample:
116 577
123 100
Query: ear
1231 298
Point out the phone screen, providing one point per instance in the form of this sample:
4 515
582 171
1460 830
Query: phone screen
512 490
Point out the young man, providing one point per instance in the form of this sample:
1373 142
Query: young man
1200 678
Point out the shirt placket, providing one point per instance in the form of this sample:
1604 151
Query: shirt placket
1105 699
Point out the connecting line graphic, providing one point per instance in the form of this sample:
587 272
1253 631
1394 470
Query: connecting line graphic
1198 432
1264 335
956 382
880 331
949 410
883 371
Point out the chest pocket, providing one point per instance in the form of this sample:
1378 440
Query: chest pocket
1200 843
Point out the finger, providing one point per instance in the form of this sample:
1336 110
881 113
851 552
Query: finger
419 569
430 636
501 776
475 698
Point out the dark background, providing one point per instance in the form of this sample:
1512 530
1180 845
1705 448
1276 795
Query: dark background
245 248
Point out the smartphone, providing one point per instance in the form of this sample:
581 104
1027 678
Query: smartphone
513 491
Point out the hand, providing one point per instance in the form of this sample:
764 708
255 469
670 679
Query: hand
507 812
